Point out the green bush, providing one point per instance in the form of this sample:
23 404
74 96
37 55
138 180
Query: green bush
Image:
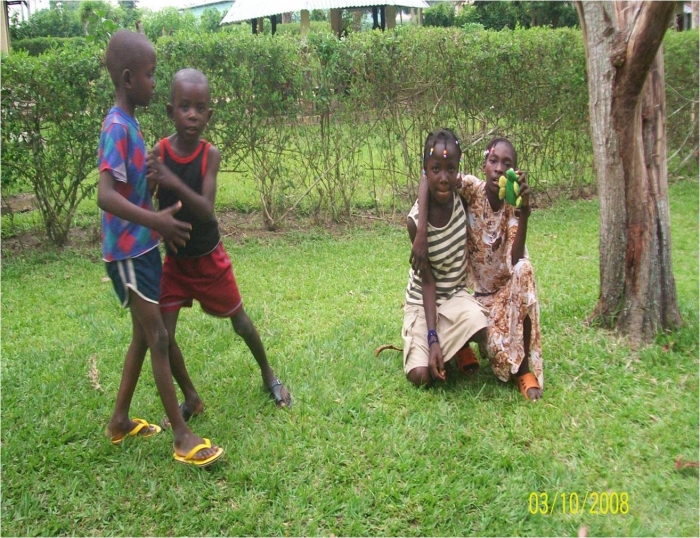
319 123
52 109
681 74
442 14
59 22
39 45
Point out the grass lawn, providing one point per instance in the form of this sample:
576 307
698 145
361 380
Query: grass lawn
362 452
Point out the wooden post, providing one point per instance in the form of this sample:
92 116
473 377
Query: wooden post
4 23
390 17
336 21
357 20
261 25
305 22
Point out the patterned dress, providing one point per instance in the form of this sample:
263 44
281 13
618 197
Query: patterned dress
508 292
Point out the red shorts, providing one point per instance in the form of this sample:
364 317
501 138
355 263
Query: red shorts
209 279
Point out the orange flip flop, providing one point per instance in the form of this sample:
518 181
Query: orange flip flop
526 382
467 363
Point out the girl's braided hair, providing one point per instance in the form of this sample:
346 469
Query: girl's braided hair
492 143
443 135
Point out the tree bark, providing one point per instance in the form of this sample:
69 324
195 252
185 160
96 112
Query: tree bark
628 130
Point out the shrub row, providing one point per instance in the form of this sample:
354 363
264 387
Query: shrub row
327 124
39 45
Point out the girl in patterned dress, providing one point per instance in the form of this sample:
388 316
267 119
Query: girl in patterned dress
499 270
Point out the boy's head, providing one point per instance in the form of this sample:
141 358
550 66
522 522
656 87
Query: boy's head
441 156
131 62
189 104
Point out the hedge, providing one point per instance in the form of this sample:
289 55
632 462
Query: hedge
330 125
39 45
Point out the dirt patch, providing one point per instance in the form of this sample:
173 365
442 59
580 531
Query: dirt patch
17 203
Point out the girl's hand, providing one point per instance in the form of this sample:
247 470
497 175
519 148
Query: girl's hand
524 190
435 362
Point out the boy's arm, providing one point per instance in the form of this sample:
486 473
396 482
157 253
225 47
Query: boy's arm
174 232
435 358
419 248
201 205
518 249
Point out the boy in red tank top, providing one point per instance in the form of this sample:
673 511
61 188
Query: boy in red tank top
183 168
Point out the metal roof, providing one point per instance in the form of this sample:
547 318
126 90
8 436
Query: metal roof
244 10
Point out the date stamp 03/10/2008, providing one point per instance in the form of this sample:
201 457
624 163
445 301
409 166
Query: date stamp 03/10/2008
591 502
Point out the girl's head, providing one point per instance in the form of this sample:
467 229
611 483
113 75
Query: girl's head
445 136
441 157
499 156
506 144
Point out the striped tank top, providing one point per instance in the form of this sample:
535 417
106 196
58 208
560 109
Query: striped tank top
447 252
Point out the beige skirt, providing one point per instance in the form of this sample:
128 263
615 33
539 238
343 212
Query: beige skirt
458 319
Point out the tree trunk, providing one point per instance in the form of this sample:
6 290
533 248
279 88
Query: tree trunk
628 109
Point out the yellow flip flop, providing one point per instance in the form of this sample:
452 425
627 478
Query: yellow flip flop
190 460
152 429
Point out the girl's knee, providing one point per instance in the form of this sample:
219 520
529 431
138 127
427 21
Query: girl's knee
420 376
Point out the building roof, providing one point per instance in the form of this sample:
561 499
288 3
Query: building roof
244 10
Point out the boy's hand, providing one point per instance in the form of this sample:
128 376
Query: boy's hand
524 190
174 232
159 174
435 362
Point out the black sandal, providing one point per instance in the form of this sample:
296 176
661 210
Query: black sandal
275 391
184 411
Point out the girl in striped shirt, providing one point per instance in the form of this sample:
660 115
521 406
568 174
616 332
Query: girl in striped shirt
440 315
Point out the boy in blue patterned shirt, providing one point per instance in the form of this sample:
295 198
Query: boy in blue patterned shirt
130 230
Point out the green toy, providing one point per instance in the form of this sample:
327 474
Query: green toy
509 188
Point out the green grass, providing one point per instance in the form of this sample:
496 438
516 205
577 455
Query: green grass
362 452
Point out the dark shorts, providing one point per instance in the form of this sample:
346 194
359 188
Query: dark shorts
141 274
209 279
